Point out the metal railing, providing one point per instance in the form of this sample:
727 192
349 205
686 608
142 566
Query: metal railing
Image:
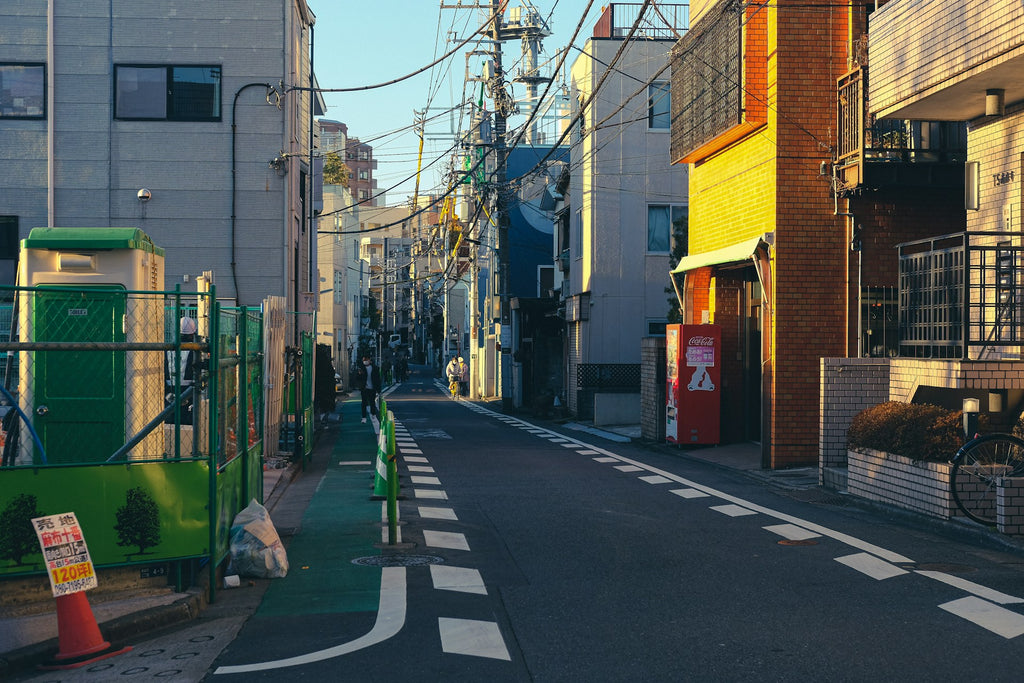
960 295
660 22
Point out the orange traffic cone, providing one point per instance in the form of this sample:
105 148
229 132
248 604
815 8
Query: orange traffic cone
78 634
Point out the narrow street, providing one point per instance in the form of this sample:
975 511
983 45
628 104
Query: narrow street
533 553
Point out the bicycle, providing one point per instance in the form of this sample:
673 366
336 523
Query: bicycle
977 467
453 388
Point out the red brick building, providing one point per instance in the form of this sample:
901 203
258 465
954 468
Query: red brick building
786 253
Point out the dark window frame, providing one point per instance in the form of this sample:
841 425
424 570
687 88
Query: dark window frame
174 96
34 117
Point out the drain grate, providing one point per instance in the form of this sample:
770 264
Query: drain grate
797 541
396 560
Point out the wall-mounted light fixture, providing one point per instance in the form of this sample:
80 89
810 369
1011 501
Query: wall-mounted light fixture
279 164
994 102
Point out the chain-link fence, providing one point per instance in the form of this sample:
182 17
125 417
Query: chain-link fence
112 397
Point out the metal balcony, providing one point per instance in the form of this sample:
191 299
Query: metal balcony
892 152
960 296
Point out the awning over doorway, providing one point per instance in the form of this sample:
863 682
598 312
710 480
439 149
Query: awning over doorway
732 254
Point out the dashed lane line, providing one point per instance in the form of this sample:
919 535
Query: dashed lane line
870 565
996 619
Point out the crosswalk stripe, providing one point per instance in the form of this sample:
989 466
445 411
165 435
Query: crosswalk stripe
733 510
425 481
792 532
430 493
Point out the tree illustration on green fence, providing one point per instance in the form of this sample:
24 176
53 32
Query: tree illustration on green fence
17 536
138 521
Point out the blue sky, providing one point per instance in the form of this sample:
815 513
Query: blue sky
364 43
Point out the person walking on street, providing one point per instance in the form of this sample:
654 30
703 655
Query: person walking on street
368 381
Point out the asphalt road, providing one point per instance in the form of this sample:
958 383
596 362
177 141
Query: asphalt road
531 555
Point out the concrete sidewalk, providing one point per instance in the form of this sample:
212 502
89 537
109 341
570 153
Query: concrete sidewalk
28 635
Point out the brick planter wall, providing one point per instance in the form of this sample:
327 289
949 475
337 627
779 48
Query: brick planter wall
1010 506
909 484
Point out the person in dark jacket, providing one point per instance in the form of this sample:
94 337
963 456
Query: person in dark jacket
368 382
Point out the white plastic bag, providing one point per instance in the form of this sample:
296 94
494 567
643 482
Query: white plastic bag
256 549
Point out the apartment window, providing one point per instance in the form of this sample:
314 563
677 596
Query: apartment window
171 93
8 249
656 328
577 220
659 106
545 281
364 194
22 90
660 219
364 174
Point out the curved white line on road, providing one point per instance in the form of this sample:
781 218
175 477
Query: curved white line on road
390 620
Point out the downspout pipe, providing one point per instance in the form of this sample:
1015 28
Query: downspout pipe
234 180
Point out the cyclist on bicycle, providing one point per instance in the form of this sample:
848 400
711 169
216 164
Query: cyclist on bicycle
457 372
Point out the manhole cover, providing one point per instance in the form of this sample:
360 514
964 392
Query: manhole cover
797 541
396 560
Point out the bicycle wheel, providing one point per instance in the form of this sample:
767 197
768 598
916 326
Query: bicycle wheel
977 466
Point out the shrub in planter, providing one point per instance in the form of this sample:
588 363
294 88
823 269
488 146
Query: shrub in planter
914 430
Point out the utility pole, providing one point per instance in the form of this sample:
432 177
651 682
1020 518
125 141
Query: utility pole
500 214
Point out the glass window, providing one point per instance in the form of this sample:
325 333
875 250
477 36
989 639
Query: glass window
173 93
22 91
659 109
659 229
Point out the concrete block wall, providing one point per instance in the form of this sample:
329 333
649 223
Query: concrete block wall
1010 506
909 484
652 388
847 386
908 374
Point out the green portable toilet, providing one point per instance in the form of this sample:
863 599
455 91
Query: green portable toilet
90 286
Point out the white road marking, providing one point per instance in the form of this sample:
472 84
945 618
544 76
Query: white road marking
430 494
556 439
733 510
656 479
425 481
384 534
420 468
351 462
403 450
415 459
445 539
792 532
997 619
871 566
471 637
689 493
437 513
390 620
971 587
629 468
459 579
696 490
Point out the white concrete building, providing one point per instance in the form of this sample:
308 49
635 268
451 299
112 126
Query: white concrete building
623 196
183 120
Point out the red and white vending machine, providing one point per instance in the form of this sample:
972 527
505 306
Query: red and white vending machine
694 377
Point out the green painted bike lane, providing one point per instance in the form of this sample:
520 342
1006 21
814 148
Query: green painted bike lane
340 525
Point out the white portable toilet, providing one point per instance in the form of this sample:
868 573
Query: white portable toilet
85 404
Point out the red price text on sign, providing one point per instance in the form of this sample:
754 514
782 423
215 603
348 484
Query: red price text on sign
65 553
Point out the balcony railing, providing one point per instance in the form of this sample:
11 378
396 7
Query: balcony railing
890 151
660 22
960 295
